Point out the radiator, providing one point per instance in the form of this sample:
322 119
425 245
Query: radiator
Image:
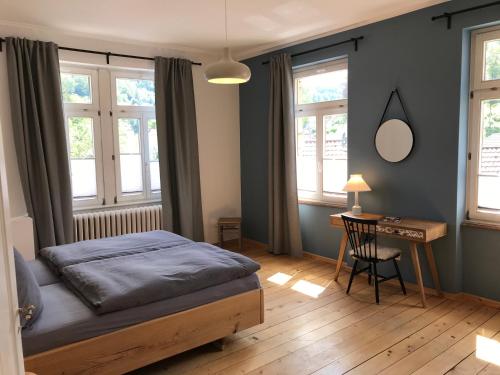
94 225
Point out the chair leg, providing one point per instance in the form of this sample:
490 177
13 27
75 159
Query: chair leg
399 276
353 272
369 274
375 276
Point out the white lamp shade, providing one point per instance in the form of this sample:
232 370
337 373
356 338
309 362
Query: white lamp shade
356 183
227 71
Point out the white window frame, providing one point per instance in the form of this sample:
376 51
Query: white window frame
127 74
319 110
90 110
105 112
143 113
151 194
96 125
94 88
479 37
120 195
480 90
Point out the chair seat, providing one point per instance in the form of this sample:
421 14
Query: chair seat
383 253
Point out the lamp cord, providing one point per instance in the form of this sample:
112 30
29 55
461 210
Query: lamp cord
225 18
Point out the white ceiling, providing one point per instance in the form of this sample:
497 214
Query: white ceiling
254 26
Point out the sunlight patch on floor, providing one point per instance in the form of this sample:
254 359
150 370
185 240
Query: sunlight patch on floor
279 278
488 349
308 288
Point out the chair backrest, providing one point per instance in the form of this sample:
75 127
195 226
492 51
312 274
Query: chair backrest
362 234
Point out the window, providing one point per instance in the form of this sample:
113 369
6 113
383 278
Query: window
321 132
81 107
111 132
484 127
133 97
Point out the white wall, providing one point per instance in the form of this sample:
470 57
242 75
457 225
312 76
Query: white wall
10 342
217 117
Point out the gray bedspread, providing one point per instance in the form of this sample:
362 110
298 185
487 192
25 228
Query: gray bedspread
123 272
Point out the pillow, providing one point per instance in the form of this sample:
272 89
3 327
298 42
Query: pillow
43 274
28 292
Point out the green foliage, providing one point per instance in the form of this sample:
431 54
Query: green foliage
322 87
335 122
491 130
81 138
152 124
321 94
491 117
493 60
128 129
75 88
307 126
135 92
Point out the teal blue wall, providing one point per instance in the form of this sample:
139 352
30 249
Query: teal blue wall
427 62
481 262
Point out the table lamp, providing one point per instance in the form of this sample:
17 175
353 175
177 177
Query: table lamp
356 184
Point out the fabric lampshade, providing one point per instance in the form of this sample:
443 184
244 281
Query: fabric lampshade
356 183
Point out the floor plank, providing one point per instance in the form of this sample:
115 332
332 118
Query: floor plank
335 333
364 352
458 352
405 347
435 347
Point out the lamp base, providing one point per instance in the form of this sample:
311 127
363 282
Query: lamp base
356 210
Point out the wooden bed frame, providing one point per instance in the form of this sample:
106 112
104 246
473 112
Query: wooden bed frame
145 343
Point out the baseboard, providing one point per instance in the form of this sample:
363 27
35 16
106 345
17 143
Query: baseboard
393 282
460 296
325 259
473 298
233 244
255 244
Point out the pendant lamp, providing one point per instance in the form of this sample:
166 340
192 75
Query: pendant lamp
227 71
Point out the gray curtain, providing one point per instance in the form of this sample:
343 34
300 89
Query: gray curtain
284 225
178 148
40 138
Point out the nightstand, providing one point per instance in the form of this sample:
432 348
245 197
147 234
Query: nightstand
229 223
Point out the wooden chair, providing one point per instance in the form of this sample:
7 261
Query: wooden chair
362 234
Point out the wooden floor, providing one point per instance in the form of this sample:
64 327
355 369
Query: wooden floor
328 332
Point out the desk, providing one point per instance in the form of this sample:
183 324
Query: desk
413 230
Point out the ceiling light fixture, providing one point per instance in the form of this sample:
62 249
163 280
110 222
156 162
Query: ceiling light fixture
227 71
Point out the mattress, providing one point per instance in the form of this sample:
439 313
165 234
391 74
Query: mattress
65 319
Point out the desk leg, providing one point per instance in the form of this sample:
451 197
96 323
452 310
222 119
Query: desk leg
432 266
340 259
418 272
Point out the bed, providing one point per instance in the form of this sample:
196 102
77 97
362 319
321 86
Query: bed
73 336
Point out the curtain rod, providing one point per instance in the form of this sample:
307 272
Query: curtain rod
352 40
449 15
107 54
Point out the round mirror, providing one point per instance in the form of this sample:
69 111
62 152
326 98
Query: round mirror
394 140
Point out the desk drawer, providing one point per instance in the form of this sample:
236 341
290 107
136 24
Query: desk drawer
411 234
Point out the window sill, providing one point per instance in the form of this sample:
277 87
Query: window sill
119 205
312 202
482 224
